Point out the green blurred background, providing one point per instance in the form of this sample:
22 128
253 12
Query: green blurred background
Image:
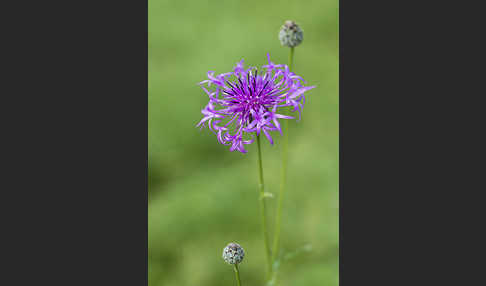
201 196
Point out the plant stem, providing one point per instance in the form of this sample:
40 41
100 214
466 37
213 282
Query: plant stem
237 273
262 208
291 58
283 175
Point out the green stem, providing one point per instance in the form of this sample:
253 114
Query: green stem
291 58
237 273
283 175
262 208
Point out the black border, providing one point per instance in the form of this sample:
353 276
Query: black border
408 127
77 143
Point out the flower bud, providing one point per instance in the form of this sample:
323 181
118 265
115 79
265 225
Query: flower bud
290 34
233 253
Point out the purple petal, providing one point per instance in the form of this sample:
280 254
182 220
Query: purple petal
268 136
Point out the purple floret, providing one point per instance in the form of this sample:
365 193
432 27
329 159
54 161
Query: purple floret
246 101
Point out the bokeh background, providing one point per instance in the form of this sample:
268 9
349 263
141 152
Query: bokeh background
201 196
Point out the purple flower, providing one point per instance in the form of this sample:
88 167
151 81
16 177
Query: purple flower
246 101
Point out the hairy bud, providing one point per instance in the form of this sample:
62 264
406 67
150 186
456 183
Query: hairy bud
290 34
233 253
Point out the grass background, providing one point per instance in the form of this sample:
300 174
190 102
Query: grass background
201 196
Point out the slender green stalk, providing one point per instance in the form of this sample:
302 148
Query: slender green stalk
237 273
262 208
291 58
283 175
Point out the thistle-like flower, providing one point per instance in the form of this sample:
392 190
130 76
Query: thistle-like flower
290 34
246 101
233 253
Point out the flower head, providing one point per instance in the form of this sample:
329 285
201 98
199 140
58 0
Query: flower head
290 34
233 253
246 101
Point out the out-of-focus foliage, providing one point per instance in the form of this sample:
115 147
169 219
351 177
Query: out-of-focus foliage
201 196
